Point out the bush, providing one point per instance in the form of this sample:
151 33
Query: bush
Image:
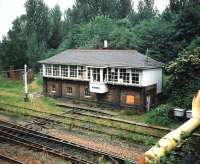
184 80
160 115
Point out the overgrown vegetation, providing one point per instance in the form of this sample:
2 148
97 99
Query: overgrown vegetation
161 115
187 153
184 78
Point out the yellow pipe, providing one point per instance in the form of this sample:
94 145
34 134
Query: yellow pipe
169 141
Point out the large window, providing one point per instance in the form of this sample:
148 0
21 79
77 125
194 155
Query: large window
48 70
125 75
56 70
64 71
135 76
81 72
73 71
113 74
96 74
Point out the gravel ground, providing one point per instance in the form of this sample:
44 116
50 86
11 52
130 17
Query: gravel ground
130 153
28 156
89 139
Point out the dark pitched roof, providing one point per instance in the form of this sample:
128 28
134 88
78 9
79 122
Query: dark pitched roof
103 58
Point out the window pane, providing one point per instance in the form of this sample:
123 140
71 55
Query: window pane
64 71
48 70
135 76
73 71
96 74
69 90
55 70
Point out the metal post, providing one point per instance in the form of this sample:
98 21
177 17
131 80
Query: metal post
25 83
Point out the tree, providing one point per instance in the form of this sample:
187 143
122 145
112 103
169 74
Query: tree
13 47
152 35
146 10
121 35
124 8
92 34
38 22
56 27
85 11
36 51
37 30
188 25
184 78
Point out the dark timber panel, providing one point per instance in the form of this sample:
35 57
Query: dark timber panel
128 96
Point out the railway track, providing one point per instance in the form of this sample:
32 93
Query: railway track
131 135
86 109
53 145
114 123
10 160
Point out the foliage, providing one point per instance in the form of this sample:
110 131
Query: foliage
85 11
185 77
146 10
121 35
13 47
92 34
188 25
56 27
38 21
189 152
195 43
160 115
152 35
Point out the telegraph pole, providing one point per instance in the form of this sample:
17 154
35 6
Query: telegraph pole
25 83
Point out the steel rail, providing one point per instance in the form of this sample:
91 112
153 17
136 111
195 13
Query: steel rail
69 144
114 120
87 121
101 117
13 138
9 159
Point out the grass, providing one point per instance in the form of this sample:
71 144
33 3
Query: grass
12 92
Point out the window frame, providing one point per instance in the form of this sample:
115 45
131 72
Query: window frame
64 71
135 76
69 91
48 70
96 74
56 70
53 88
73 72
87 92
125 75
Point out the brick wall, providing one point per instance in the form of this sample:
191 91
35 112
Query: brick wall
117 95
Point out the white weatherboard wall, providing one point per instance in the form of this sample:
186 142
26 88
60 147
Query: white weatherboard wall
152 76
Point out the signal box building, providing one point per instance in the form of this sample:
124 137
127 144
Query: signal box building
117 77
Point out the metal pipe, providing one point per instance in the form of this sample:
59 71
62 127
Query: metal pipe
169 141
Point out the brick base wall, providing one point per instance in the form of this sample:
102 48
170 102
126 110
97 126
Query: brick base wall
117 95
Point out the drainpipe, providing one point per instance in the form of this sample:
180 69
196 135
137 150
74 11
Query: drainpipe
169 141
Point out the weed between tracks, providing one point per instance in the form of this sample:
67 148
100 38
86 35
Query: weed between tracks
28 156
91 126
